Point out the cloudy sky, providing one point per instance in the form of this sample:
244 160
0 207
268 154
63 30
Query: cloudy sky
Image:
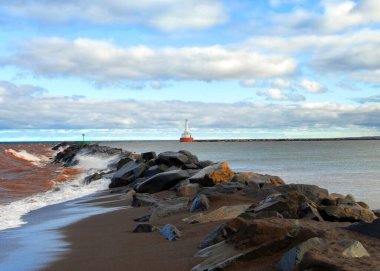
121 69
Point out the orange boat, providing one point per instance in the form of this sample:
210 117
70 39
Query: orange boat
186 135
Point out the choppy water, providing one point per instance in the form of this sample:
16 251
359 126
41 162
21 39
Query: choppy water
346 167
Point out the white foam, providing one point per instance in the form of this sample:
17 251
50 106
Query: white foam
37 160
11 215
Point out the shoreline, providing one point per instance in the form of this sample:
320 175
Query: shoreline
221 218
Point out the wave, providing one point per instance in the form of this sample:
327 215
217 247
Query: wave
37 160
11 215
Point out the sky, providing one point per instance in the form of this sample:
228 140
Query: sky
132 70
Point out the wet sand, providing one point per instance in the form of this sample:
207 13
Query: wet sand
106 242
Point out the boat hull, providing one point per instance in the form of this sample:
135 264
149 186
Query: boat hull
186 139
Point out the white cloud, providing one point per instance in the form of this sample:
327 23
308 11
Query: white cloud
280 83
337 15
104 62
275 94
355 51
166 15
312 86
249 83
40 111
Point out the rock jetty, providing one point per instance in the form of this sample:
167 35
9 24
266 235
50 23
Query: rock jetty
257 216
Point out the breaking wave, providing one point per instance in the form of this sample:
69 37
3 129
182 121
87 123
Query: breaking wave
11 214
37 160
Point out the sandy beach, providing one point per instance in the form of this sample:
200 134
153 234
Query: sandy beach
106 242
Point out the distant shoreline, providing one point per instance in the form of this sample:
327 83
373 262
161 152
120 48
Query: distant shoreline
206 140
287 139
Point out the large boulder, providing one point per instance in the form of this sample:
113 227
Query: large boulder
253 239
212 175
168 207
293 257
127 174
292 205
256 178
146 156
346 213
370 229
143 200
312 192
162 181
178 159
222 213
187 189
220 234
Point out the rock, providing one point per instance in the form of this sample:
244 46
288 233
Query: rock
153 170
369 229
127 174
168 207
146 156
143 200
252 240
144 218
260 179
206 163
292 205
212 175
221 233
293 257
170 158
94 177
145 227
200 203
352 248
122 162
193 159
328 202
363 204
162 181
222 189
223 213
170 232
188 190
346 213
312 192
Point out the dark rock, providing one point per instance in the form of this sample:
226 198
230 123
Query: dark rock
221 189
312 192
169 207
292 205
127 174
143 200
188 189
170 232
192 158
291 259
260 179
145 228
60 145
144 218
253 239
94 177
148 155
122 162
369 229
346 213
153 170
162 181
203 164
328 202
221 233
170 158
212 175
200 203
222 213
